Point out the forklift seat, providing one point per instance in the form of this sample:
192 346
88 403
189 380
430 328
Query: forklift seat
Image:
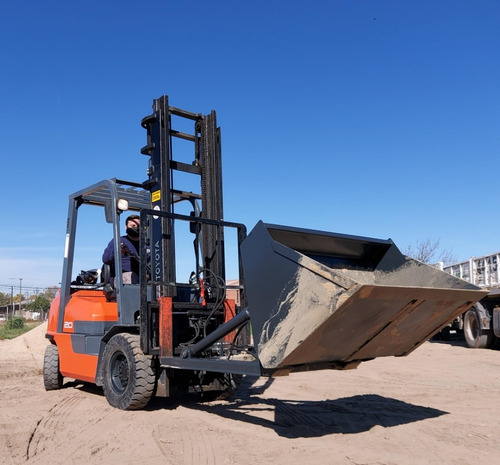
108 288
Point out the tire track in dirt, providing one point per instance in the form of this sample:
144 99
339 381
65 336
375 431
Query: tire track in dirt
49 425
198 446
61 425
10 375
169 444
189 443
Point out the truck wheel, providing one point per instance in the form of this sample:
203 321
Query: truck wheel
475 337
128 374
52 377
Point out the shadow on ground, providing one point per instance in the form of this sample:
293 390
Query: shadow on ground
295 418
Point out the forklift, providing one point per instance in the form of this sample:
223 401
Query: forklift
303 299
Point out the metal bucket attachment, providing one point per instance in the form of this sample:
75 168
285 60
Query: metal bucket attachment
325 300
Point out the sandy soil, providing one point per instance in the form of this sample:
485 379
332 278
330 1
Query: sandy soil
440 405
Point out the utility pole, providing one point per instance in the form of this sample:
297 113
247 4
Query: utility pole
20 295
11 302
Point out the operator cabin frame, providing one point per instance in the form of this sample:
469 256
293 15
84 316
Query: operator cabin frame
111 195
116 197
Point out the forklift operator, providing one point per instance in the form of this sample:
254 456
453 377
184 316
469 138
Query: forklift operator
130 252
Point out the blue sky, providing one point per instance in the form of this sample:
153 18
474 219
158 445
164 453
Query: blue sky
366 117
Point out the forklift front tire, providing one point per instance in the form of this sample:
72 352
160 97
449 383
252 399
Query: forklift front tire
128 375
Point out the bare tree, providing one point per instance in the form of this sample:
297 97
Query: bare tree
428 251
51 292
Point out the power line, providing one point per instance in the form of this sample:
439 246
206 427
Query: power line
27 287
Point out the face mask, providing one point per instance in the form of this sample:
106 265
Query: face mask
133 232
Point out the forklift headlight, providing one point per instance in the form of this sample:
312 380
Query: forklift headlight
122 205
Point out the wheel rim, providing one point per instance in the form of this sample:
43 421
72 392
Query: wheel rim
119 373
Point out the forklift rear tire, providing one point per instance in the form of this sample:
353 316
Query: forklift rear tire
475 337
52 378
128 375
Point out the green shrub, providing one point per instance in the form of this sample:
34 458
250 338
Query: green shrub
15 323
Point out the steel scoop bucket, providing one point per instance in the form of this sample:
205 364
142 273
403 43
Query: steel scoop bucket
324 300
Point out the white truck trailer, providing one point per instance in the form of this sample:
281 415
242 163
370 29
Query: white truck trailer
481 323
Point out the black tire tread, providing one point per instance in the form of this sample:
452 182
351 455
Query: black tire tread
52 377
478 339
142 377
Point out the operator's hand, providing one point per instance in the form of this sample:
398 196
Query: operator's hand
125 250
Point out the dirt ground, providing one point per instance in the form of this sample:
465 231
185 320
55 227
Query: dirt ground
439 405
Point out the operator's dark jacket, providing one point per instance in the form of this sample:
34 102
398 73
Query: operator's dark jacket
128 263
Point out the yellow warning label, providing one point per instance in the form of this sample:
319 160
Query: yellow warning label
155 196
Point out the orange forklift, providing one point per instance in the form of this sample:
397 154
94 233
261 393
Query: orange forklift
304 299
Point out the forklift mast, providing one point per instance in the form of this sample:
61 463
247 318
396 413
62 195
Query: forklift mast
207 165
165 301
